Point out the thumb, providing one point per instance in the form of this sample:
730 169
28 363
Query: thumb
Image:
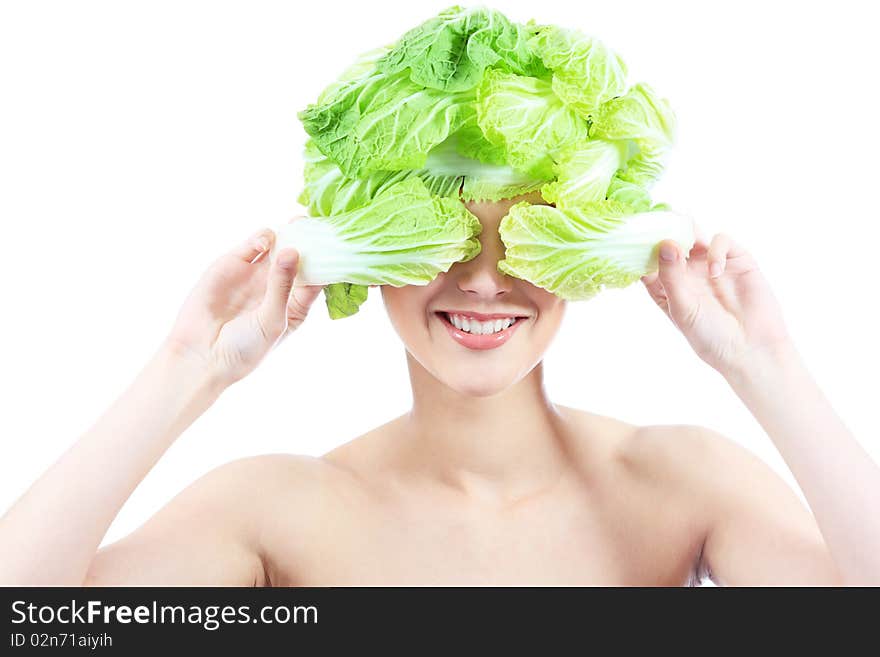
681 299
273 309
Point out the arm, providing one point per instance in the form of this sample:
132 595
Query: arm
758 532
720 301
52 533
240 309
835 473
208 535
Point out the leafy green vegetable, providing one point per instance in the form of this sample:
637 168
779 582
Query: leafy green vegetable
344 299
584 171
471 106
328 191
446 173
523 116
627 192
646 123
451 51
576 252
405 236
384 122
361 68
478 180
585 72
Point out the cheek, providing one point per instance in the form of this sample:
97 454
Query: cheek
555 309
551 310
550 307
406 307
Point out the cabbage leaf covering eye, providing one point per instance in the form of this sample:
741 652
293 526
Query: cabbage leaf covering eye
472 106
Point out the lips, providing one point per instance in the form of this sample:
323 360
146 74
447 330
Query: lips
483 317
479 342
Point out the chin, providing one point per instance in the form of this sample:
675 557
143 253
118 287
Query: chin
479 391
479 384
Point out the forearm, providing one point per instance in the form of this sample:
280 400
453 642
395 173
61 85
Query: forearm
51 534
837 476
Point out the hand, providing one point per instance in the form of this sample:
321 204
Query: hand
241 308
720 301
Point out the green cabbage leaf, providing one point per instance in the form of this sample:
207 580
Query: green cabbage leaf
576 252
405 236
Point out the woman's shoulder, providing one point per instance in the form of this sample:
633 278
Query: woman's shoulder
368 450
278 474
275 477
675 449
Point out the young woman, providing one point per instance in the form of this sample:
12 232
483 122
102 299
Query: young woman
484 480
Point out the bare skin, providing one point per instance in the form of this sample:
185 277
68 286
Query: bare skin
484 480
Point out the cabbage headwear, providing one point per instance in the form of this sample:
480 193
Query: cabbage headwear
467 106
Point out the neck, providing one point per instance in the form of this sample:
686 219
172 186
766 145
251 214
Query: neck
505 445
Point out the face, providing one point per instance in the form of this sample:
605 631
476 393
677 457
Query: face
450 326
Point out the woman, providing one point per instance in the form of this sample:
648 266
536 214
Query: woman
485 480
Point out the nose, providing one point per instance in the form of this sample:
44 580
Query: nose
480 277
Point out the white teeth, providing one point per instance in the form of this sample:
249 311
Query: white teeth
475 327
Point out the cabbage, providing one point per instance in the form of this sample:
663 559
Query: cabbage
585 72
645 123
405 236
576 252
471 106
584 172
452 51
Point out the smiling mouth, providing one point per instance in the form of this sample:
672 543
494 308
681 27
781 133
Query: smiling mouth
465 332
474 326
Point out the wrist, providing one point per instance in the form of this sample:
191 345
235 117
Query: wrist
763 363
189 370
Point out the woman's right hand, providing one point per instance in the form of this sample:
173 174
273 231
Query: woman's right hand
241 308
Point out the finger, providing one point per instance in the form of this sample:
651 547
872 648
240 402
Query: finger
701 240
655 290
699 248
716 257
301 300
672 274
272 312
254 246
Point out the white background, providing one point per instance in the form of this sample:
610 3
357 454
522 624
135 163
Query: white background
138 141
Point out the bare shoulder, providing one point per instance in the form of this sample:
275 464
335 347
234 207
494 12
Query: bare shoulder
682 448
219 529
759 531
234 497
254 491
370 452
697 455
692 458
265 470
729 484
272 476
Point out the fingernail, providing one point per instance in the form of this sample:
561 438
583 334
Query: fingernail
287 260
668 252
260 240
714 270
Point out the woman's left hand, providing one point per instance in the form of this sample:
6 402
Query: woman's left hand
719 299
